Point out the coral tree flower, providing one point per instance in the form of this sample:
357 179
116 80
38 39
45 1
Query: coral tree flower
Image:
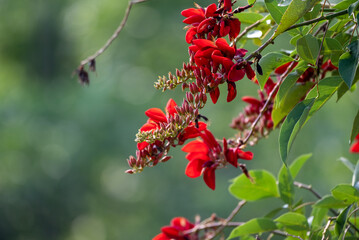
355 147
156 117
205 155
175 230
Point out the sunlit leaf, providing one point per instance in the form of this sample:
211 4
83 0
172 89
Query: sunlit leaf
256 225
344 4
285 185
263 186
291 126
346 193
330 202
275 11
248 17
294 221
298 164
317 217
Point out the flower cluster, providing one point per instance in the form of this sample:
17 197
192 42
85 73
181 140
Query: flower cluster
176 230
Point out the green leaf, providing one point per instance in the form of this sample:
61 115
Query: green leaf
329 201
345 192
342 220
275 11
269 62
347 163
294 39
327 87
256 225
355 179
286 185
355 128
313 13
291 126
318 215
343 88
348 64
333 49
308 48
248 17
274 212
298 164
295 10
352 8
344 4
294 221
264 186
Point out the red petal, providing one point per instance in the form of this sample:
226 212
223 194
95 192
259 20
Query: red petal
236 74
214 95
193 48
224 29
209 139
251 100
227 5
209 177
161 236
194 168
355 148
357 137
171 232
148 127
232 91
235 26
182 223
142 145
244 155
190 34
226 62
205 53
171 107
193 19
210 10
249 71
203 26
204 43
192 11
241 52
225 48
197 155
195 146
231 157
156 115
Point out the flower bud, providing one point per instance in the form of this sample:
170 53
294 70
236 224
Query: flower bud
130 171
189 97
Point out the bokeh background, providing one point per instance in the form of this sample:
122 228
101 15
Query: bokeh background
63 146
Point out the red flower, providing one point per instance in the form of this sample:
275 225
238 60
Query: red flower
175 230
156 117
355 147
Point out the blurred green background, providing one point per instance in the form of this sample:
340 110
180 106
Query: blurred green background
63 146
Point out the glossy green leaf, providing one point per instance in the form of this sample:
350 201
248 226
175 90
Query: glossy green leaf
295 10
346 193
269 63
248 17
333 49
291 126
298 164
342 5
348 64
275 11
318 216
355 128
308 48
327 87
263 186
256 225
342 220
353 7
347 163
294 221
286 185
329 201
355 179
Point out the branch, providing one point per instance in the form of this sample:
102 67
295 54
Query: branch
285 234
245 31
228 219
91 59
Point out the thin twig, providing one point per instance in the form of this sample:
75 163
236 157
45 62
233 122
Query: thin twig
254 124
114 35
326 228
325 26
211 225
245 31
303 205
228 219
285 234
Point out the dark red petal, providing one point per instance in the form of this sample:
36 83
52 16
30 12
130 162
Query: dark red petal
182 223
204 25
156 115
209 139
241 52
171 107
235 26
231 157
195 146
191 32
251 100
148 127
193 19
205 53
209 177
210 10
171 232
225 48
357 137
227 5
193 48
226 62
244 155
142 145
224 29
192 11
197 155
214 95
161 236
204 43
236 74
249 71
194 168
282 69
232 91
